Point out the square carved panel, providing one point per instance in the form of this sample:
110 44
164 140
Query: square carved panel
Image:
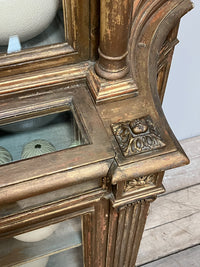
137 136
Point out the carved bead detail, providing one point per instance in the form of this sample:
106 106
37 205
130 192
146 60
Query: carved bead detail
137 136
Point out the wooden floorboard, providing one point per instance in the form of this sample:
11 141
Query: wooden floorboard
169 238
174 206
173 223
186 258
188 175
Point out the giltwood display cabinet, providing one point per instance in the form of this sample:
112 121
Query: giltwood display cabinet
84 142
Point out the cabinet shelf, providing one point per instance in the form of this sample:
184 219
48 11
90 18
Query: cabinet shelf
71 258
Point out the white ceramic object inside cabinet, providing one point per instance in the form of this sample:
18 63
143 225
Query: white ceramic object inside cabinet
37 235
25 18
66 237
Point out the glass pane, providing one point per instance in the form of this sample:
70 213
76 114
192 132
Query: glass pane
70 258
54 245
30 23
38 136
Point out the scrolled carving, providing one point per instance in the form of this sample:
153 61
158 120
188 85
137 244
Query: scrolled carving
166 51
137 136
140 182
105 183
151 43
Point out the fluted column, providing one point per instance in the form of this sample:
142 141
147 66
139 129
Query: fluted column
125 232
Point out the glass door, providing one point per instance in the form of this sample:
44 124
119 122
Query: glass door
53 245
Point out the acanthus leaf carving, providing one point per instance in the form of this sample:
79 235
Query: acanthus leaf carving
140 182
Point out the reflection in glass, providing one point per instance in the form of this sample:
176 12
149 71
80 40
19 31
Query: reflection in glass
60 245
38 136
30 23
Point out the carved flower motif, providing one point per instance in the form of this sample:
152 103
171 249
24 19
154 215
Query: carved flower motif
140 182
139 126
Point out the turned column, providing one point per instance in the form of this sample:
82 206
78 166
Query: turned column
114 33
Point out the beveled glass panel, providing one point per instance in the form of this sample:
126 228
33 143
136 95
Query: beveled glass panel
30 23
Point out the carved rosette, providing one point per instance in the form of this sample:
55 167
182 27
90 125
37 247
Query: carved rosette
140 182
137 136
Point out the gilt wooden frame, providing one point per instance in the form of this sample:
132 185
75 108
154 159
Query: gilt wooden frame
81 34
138 144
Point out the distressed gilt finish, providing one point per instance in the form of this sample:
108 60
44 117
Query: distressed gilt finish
81 24
116 101
115 19
137 136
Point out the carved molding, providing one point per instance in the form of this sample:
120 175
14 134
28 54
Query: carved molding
165 51
140 182
137 136
159 20
105 90
164 60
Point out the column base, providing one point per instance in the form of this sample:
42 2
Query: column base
111 75
105 90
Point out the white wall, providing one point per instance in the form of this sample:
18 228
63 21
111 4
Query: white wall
182 100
